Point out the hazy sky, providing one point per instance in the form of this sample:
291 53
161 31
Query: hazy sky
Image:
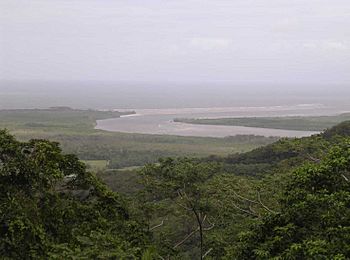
288 41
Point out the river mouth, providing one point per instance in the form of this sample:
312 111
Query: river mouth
160 121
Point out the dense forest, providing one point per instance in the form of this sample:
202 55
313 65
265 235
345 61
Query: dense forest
287 200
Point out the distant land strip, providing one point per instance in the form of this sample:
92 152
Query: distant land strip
309 123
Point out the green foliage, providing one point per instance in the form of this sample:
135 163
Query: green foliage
232 210
199 208
126 181
314 222
170 176
174 194
342 129
245 214
288 200
50 206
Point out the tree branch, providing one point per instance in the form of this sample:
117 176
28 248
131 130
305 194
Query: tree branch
263 205
244 198
253 211
186 238
209 228
206 253
245 211
183 206
313 158
157 226
200 221
211 224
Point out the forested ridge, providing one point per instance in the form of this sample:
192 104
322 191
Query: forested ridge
286 200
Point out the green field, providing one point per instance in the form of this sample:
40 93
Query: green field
74 129
96 165
314 123
53 120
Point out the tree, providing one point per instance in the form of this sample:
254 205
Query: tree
181 181
314 221
51 207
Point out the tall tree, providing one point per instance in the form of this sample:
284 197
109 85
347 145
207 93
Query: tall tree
181 181
314 221
51 207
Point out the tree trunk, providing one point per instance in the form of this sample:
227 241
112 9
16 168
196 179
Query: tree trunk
199 221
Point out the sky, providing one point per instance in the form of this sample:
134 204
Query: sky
231 41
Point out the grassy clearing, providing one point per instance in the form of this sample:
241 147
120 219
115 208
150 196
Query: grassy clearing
316 123
96 165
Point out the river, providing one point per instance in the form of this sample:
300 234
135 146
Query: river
160 121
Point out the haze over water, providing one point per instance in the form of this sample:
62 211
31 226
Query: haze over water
157 104
141 95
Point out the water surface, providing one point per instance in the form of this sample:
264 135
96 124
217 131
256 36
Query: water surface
160 121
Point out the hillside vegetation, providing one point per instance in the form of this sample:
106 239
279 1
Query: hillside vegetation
287 200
